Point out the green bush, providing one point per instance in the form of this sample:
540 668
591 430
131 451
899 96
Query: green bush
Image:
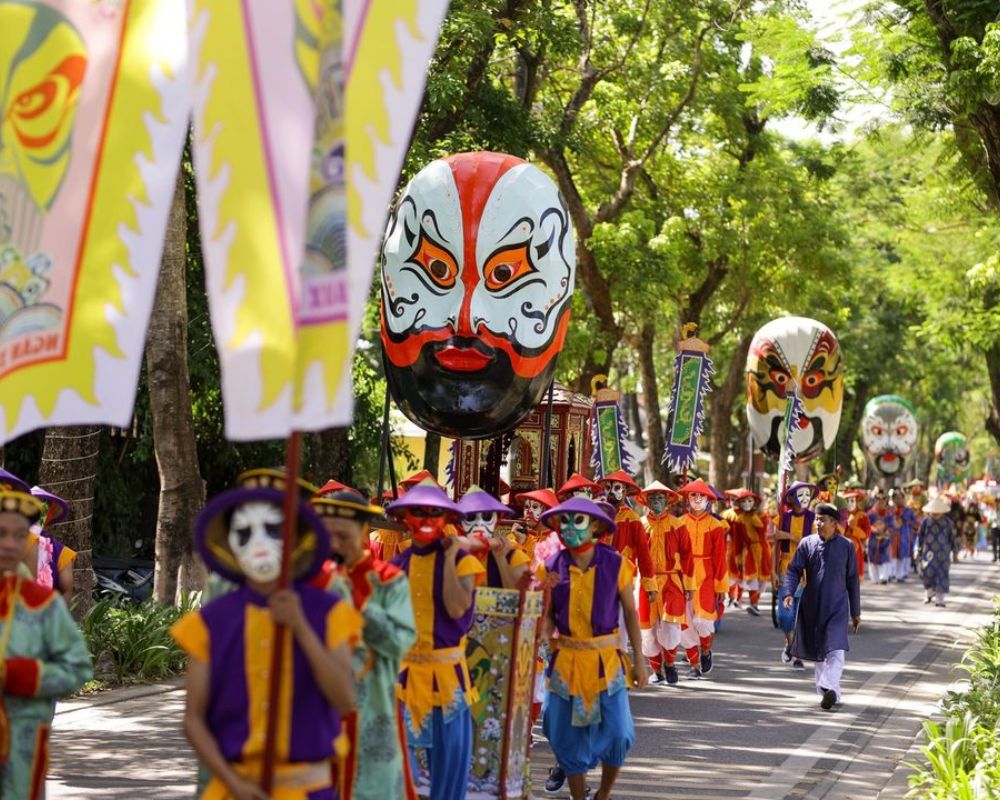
962 753
131 643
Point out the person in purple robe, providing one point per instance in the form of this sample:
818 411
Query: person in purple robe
830 601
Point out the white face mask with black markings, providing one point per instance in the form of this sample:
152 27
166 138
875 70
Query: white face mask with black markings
697 502
480 523
255 539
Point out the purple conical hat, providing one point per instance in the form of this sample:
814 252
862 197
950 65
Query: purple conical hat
578 505
14 482
791 490
426 494
479 501
211 534
56 508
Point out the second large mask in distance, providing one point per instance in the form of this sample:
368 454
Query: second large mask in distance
478 267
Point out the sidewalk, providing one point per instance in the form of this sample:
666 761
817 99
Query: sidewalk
125 743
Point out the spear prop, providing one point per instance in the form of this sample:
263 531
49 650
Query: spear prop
293 454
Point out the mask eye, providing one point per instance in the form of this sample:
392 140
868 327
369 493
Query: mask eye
812 382
436 262
273 530
877 430
243 536
580 520
489 519
507 266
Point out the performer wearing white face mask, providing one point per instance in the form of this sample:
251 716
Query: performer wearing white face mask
708 579
504 561
858 527
239 536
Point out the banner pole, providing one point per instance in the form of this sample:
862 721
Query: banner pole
290 516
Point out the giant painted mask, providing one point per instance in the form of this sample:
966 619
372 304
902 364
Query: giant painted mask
951 453
804 353
478 266
888 433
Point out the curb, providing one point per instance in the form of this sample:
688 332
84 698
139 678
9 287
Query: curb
121 695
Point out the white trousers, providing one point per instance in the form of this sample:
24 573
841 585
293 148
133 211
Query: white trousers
755 585
903 568
828 672
697 627
662 636
881 572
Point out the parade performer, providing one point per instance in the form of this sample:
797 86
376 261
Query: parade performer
661 615
629 535
749 530
707 579
531 532
377 764
504 561
795 523
579 486
906 525
859 526
434 682
880 543
587 719
827 563
50 561
935 543
230 640
916 498
44 654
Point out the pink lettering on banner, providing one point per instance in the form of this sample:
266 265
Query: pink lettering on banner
324 299
31 348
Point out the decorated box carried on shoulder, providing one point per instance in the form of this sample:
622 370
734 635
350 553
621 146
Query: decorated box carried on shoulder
693 372
478 268
500 650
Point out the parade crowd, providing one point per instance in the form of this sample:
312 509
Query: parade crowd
375 698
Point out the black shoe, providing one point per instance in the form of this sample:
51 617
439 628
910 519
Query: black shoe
706 662
555 780
829 698
928 600
694 673
797 663
670 674
753 611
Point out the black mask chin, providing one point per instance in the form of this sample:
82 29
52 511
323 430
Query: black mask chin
467 405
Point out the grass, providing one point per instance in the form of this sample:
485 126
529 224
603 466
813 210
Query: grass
962 754
131 643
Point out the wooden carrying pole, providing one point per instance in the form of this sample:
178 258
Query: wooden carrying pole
293 454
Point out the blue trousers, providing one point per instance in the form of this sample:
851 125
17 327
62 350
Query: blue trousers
448 744
578 749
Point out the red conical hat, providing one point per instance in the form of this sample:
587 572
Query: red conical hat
698 487
742 494
417 477
544 496
332 486
622 477
577 482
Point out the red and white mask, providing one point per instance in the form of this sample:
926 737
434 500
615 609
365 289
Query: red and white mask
478 269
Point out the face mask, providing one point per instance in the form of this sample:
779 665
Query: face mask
852 504
426 525
657 503
255 539
532 510
575 530
698 503
480 524
747 504
585 493
616 493
803 496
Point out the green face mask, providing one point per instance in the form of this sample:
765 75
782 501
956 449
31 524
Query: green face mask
657 503
574 530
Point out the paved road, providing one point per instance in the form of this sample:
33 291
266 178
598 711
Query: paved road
752 729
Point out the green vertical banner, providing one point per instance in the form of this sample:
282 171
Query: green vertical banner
693 372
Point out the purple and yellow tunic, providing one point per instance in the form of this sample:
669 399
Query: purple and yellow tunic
799 524
233 635
434 673
586 658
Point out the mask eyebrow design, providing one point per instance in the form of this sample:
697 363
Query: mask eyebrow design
531 225
437 230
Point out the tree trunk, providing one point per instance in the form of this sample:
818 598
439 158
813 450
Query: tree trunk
432 453
69 469
993 370
182 490
720 415
841 452
655 442
330 456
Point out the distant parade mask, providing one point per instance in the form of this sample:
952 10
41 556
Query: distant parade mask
478 268
804 352
888 433
255 539
951 452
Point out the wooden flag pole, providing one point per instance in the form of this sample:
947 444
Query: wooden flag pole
293 455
